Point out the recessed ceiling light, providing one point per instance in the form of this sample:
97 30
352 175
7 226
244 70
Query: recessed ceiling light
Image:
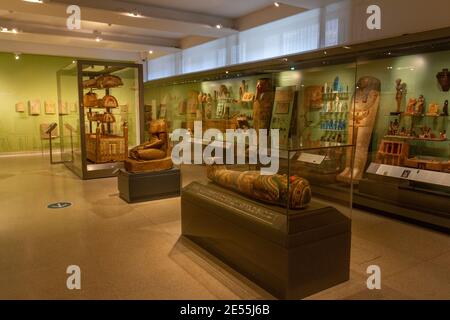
98 39
150 52
218 26
276 4
17 56
227 72
347 47
133 14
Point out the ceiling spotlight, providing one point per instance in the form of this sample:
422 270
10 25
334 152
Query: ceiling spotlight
97 35
325 53
6 30
17 56
292 68
227 72
276 4
150 52
134 14
218 26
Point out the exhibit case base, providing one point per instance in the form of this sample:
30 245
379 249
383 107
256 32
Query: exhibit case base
416 194
148 186
290 256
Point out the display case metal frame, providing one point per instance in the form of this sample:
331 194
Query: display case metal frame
104 170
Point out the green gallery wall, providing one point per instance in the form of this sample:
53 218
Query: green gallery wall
32 77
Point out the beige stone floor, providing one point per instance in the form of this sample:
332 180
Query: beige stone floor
135 251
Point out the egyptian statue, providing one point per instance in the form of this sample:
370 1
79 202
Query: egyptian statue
271 189
366 102
157 147
153 155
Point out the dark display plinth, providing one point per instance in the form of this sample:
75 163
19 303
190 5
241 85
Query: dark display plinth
400 197
291 257
140 187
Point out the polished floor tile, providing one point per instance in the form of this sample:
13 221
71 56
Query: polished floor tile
136 252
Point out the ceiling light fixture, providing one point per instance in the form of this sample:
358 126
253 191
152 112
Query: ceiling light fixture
6 30
150 52
218 26
276 4
134 14
34 1
97 35
17 56
347 47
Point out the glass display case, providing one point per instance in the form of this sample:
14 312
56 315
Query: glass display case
100 115
390 103
409 159
310 106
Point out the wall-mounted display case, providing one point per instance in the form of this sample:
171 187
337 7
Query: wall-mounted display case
97 131
310 105
391 103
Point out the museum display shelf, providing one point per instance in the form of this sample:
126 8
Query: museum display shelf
108 117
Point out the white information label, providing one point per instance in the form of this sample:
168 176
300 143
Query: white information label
426 176
311 158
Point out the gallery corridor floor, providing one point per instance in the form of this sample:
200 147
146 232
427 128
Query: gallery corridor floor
135 251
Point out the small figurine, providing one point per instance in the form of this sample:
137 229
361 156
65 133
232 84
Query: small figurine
336 85
403 132
433 109
401 91
420 107
445 109
411 107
